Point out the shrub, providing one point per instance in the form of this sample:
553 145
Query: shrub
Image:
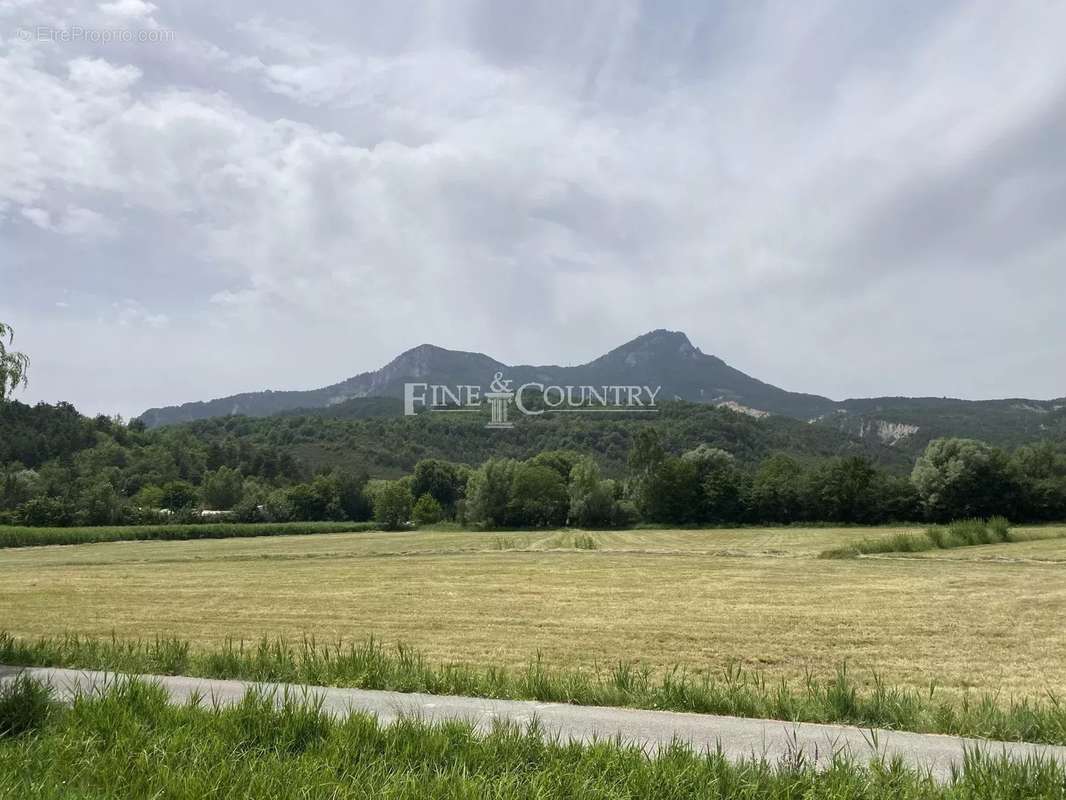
46 512
1000 527
25 705
392 504
962 533
427 510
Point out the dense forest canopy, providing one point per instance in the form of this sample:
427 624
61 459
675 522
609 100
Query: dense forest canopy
690 464
388 444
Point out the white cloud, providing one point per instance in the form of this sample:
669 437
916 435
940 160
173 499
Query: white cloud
91 75
137 9
130 313
38 216
72 221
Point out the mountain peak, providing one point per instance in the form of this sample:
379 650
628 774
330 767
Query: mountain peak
662 336
425 359
660 357
420 351
653 346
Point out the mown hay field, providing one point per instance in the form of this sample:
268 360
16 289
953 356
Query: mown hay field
700 599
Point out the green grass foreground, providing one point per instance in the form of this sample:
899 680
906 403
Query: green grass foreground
17 536
735 691
128 741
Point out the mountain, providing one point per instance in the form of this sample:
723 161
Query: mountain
912 422
660 358
425 363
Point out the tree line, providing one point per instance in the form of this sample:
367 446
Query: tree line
952 479
58 468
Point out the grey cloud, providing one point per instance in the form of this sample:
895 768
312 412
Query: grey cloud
1005 200
282 197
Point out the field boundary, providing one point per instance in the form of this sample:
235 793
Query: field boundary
734 692
20 536
738 739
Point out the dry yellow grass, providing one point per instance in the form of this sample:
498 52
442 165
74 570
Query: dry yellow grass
697 598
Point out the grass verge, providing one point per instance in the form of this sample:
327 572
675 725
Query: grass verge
130 742
734 691
964 533
18 536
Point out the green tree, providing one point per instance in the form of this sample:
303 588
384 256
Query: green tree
562 461
441 480
17 485
99 504
646 453
895 499
307 504
46 512
279 506
179 494
538 497
672 492
427 510
13 365
252 505
777 490
392 504
723 487
150 497
843 490
489 491
222 488
645 456
958 478
1041 471
593 501
352 496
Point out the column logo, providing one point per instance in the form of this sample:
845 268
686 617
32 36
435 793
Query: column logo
531 399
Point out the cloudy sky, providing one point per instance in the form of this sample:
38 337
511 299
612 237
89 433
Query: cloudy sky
842 198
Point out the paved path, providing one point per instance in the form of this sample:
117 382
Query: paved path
738 737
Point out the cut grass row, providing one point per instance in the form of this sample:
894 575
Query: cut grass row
965 533
17 536
734 691
130 742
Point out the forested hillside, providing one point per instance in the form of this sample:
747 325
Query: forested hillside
687 463
371 435
910 423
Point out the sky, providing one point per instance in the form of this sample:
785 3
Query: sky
847 199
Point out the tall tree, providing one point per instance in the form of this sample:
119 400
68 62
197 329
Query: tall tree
958 478
724 488
777 491
441 480
489 491
13 365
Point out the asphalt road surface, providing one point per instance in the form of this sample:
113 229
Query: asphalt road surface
738 738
